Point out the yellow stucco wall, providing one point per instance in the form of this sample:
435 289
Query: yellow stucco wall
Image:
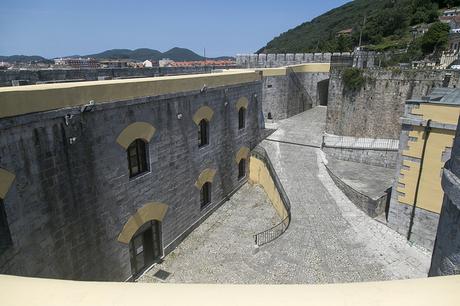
302 68
259 174
430 191
35 98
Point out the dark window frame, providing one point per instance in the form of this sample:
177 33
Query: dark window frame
205 194
5 242
241 118
138 158
155 253
242 169
203 133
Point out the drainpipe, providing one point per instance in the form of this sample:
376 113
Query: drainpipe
412 215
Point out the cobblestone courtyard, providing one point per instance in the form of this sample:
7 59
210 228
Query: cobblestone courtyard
329 239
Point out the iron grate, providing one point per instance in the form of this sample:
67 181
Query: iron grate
162 274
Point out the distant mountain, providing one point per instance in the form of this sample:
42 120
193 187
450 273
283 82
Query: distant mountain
23 58
175 54
138 54
182 54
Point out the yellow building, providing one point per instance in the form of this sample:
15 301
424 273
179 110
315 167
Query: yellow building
428 130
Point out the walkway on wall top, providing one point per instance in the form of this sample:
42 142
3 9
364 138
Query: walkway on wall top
19 291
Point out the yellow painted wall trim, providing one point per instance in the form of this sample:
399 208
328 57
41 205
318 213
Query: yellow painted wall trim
444 113
242 102
136 130
207 175
20 100
430 191
20 291
311 67
204 112
6 179
302 68
259 174
242 153
148 212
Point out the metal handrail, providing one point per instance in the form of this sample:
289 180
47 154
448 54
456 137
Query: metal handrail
276 231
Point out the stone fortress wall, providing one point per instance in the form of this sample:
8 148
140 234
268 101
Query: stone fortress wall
361 59
292 90
375 109
64 181
31 77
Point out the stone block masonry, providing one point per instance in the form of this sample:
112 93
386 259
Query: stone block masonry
375 109
72 194
289 91
31 77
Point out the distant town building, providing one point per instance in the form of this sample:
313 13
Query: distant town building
4 65
113 64
346 32
451 12
147 64
420 29
78 63
165 62
454 42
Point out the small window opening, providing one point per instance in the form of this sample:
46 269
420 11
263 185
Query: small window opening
242 169
137 158
203 133
205 194
241 118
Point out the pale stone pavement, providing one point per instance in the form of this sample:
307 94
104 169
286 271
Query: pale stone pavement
329 239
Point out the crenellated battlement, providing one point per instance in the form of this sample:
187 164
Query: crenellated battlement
362 59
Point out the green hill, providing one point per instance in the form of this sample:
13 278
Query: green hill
23 59
387 26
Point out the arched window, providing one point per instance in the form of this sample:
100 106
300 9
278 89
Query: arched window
5 236
203 133
242 169
205 194
137 158
241 118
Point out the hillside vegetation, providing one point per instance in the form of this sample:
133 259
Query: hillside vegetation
387 26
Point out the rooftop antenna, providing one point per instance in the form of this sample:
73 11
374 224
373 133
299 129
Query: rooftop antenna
361 32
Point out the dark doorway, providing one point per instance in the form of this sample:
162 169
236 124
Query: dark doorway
145 247
323 92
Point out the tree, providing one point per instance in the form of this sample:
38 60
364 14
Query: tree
435 39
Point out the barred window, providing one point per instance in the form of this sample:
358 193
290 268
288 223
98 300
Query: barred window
203 133
205 194
137 158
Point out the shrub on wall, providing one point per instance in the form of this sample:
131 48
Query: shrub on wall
353 79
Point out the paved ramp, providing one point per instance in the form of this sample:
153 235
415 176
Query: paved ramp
329 239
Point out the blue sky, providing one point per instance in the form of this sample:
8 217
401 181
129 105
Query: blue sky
53 28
